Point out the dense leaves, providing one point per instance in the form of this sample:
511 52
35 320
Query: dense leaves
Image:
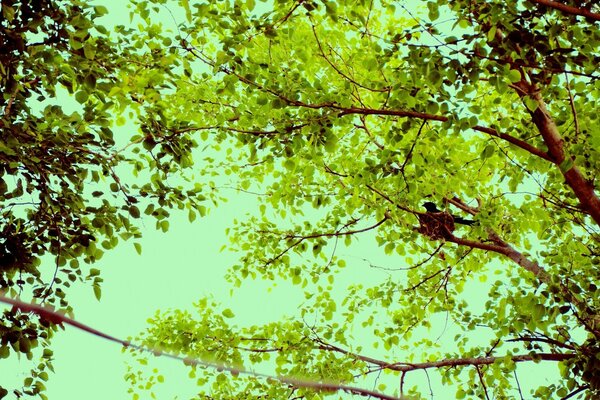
62 201
344 117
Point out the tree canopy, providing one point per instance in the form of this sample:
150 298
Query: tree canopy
343 118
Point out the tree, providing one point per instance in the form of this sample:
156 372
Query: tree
62 201
344 118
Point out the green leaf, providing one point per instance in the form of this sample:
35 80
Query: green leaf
227 313
4 351
530 103
8 12
138 248
97 292
514 75
100 10
81 96
566 165
488 151
90 81
491 35
164 225
134 211
434 12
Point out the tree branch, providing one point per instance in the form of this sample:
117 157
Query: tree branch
57 318
505 249
455 362
431 117
568 9
450 362
338 232
583 189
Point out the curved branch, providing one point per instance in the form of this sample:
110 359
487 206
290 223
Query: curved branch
568 9
431 117
338 232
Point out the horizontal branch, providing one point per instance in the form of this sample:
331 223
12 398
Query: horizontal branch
568 9
450 362
432 117
456 362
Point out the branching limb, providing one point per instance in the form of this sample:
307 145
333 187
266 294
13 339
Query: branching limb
583 189
451 362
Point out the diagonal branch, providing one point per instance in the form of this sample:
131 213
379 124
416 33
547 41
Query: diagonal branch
431 117
505 249
581 187
57 318
338 232
589 318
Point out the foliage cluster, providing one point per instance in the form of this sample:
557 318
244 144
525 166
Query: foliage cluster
343 117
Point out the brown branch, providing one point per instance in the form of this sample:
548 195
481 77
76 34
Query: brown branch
505 249
57 318
386 197
450 362
483 385
546 340
589 318
229 128
583 189
317 235
338 232
568 9
456 362
366 129
431 117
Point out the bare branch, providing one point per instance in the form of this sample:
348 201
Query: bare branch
450 362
